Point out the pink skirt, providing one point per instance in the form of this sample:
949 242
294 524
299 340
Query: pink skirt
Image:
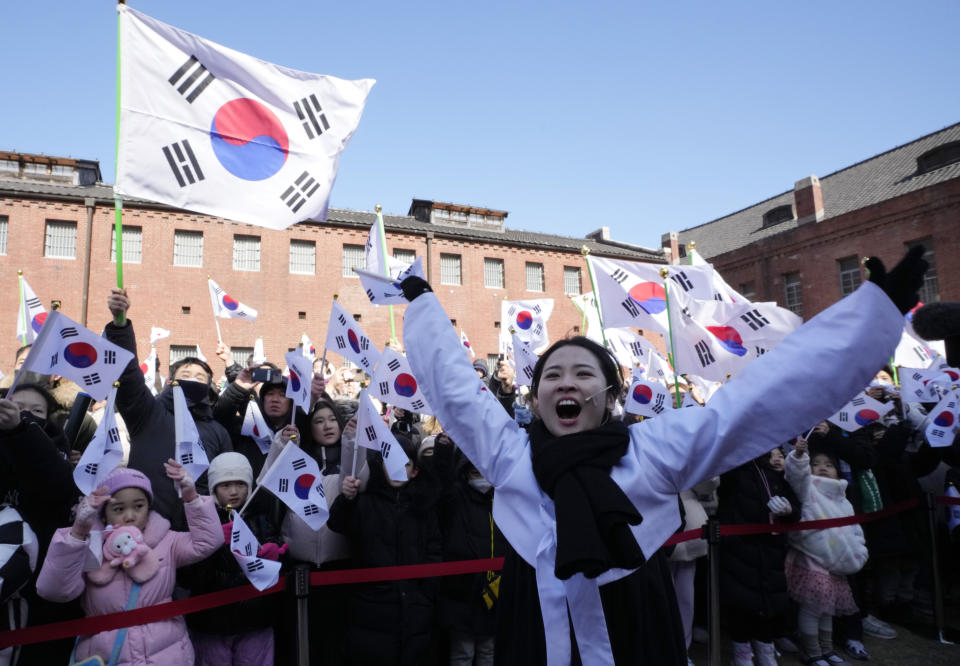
817 589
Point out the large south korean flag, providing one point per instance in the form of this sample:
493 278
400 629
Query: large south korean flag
213 130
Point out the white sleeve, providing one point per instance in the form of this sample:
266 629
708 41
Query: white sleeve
797 472
465 408
811 374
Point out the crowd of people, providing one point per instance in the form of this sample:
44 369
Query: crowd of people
814 592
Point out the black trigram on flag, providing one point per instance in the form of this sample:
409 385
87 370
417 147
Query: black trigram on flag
68 332
109 357
235 537
113 435
636 349
365 343
754 319
91 379
319 489
538 329
394 365
658 404
937 433
384 388
536 308
844 417
342 319
311 509
630 306
512 311
370 294
255 565
248 549
54 358
341 343
370 432
858 401
619 276
681 279
528 372
385 449
685 311
364 362
192 77
299 464
302 189
312 116
186 458
417 404
760 351
283 485
704 353
91 468
183 163
33 303
921 353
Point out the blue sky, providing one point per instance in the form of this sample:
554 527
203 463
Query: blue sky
643 117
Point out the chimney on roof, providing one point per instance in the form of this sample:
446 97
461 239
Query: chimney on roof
599 235
670 242
808 200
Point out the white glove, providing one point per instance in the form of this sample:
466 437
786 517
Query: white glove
779 506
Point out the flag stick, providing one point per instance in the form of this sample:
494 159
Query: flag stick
117 201
23 310
809 432
672 357
215 322
692 245
386 268
584 250
353 468
252 495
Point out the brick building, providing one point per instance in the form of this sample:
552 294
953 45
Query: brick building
56 224
802 248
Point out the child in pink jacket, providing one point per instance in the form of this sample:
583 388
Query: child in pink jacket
123 502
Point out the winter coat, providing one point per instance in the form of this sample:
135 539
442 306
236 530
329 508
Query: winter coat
839 550
158 643
751 566
150 421
221 571
665 455
389 622
469 533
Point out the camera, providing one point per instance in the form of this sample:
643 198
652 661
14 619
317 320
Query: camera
267 376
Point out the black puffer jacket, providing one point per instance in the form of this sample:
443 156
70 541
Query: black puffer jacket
220 571
751 567
151 423
469 533
389 622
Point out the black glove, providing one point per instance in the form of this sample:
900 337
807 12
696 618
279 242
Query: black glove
904 281
413 286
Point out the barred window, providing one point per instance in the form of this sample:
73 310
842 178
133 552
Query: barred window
246 253
450 269
60 239
187 248
303 257
241 355
793 293
850 277
132 244
4 224
930 291
180 352
353 257
493 273
534 276
571 280
748 290
406 256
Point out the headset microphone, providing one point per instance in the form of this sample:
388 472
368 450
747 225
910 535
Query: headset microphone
594 395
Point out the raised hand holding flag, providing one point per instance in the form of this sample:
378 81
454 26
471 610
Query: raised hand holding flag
261 572
383 290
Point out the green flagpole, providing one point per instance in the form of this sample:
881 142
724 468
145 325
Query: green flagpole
672 357
117 201
584 250
386 268
23 310
692 247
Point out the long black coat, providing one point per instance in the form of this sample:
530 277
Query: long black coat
751 567
389 622
150 422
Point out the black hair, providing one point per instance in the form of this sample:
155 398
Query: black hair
191 360
608 364
324 403
52 404
20 351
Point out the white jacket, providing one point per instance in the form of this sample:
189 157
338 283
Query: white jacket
827 361
839 550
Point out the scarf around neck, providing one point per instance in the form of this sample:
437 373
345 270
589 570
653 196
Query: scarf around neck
593 513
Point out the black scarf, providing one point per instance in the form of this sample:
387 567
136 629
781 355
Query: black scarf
593 514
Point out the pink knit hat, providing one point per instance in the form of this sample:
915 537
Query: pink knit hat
124 477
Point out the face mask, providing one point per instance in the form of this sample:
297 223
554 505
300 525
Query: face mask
30 417
480 485
194 391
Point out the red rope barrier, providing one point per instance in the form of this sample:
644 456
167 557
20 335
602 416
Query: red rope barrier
165 611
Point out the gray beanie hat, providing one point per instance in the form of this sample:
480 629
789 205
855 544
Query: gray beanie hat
229 466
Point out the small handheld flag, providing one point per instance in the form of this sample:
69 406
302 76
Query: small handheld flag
393 383
227 307
943 421
527 320
861 411
524 361
345 337
372 433
30 316
189 448
103 453
66 348
157 334
294 477
466 344
262 573
298 383
255 427
647 398
382 290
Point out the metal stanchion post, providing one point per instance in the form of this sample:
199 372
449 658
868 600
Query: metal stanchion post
934 561
712 534
301 589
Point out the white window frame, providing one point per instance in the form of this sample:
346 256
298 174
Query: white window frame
793 293
57 247
185 240
569 273
354 256
494 273
850 276
4 232
132 244
451 269
246 253
535 276
303 260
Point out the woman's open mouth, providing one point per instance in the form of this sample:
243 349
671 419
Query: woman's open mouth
568 410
